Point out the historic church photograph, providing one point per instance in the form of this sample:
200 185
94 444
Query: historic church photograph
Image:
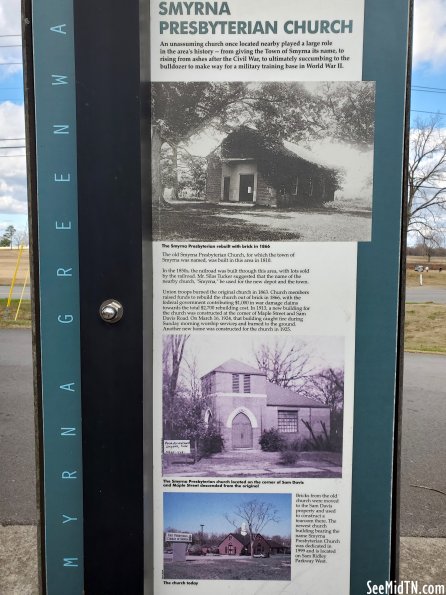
242 406
269 161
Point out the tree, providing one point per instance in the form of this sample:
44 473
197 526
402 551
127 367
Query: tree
426 198
255 516
285 362
349 113
173 351
21 238
431 241
8 235
189 421
342 111
180 110
327 387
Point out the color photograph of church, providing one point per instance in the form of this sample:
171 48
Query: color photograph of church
227 536
275 408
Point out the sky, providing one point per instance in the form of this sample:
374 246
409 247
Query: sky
186 511
428 95
211 351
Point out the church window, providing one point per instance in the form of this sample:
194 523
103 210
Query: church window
287 421
207 385
246 383
235 383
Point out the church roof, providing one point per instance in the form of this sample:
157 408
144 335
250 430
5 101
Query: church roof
285 397
233 366
276 396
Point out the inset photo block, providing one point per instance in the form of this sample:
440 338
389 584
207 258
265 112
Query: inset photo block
264 406
227 536
264 161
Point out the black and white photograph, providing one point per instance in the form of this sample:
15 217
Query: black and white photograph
264 161
237 406
227 536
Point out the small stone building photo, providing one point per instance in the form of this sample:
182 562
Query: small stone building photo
248 168
244 404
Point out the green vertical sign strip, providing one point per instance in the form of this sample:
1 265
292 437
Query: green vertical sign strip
54 80
385 59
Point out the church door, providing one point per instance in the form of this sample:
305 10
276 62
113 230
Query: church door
241 432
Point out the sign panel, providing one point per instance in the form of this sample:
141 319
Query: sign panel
181 537
253 419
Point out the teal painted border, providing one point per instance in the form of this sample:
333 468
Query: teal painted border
385 60
55 104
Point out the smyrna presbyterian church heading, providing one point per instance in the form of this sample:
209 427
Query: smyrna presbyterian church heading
204 27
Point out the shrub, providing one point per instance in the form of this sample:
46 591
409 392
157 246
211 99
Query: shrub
211 442
296 445
288 457
272 440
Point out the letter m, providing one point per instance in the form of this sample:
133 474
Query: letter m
71 562
59 79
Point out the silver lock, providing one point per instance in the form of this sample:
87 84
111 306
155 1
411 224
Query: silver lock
111 311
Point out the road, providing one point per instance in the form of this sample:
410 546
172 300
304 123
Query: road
17 463
426 294
423 512
4 292
423 460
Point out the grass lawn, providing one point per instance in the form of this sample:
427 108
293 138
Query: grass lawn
425 328
206 222
431 279
275 568
209 222
7 317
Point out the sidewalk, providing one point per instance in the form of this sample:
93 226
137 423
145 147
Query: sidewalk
422 559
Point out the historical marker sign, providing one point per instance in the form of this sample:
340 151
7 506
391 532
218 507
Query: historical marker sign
275 184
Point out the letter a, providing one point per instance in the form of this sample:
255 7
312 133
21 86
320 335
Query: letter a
59 29
69 387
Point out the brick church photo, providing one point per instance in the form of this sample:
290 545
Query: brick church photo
234 406
244 404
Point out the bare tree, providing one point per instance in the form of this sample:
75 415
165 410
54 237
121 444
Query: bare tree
21 238
328 387
426 201
173 351
286 362
255 516
431 241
